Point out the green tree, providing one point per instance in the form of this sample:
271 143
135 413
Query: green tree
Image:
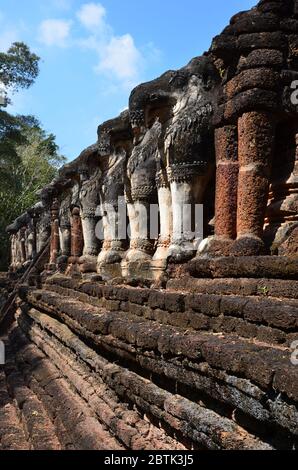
39 160
18 67
29 157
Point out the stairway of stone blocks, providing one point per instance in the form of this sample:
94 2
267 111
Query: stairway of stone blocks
202 364
140 342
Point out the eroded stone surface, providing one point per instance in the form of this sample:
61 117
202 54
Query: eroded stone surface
136 347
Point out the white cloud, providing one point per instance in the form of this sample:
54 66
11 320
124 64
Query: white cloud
54 32
62 4
120 57
7 37
92 16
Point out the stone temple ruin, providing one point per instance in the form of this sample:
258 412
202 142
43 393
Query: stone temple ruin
176 340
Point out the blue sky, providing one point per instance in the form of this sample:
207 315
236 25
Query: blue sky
94 53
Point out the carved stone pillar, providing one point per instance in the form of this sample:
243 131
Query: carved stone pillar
141 246
43 230
138 208
64 233
31 239
13 252
77 241
142 193
255 150
55 240
227 170
165 217
19 256
91 243
188 183
30 243
23 245
113 248
281 224
112 210
89 200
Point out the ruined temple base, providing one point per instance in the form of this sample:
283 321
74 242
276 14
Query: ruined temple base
88 264
277 267
147 271
110 271
202 364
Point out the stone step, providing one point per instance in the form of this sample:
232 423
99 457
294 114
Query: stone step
24 421
75 425
261 287
36 422
256 379
266 319
190 422
266 267
85 377
12 432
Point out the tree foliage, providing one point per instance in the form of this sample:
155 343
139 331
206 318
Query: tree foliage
29 157
18 67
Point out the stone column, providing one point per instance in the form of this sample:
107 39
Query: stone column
30 244
18 250
91 243
55 241
165 217
188 184
281 224
141 246
65 239
34 237
77 241
227 170
31 240
64 232
43 230
65 242
23 245
113 248
13 253
141 170
256 145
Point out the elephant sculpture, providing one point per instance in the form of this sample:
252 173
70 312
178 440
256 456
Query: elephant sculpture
173 156
114 147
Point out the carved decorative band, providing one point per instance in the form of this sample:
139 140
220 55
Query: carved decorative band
184 172
65 226
161 180
142 192
137 118
106 245
43 227
115 245
164 242
91 252
113 202
186 237
88 213
143 245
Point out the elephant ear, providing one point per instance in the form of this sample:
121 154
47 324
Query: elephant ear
178 79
